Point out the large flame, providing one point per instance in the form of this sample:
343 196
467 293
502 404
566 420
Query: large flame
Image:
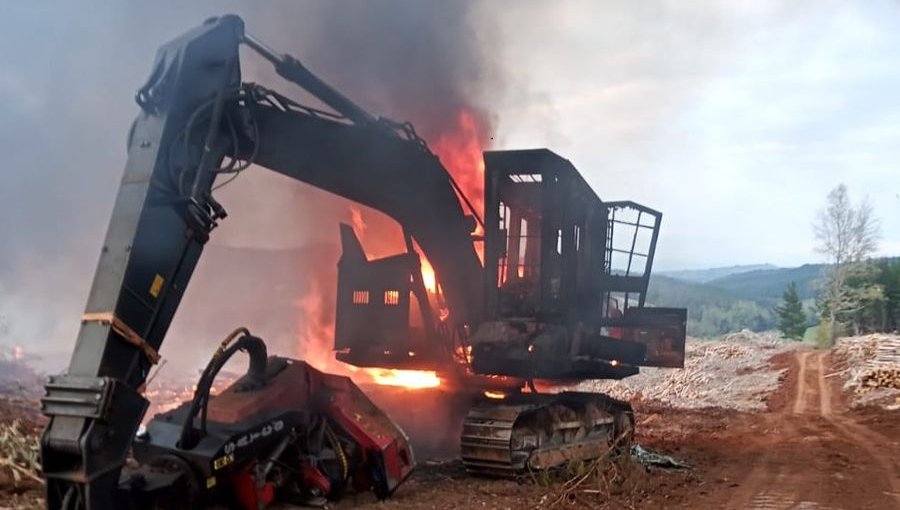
460 150
317 335
428 277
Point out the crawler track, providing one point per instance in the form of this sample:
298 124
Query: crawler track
506 438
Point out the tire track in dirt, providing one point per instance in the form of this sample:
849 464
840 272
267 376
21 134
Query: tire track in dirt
859 434
799 406
762 488
782 477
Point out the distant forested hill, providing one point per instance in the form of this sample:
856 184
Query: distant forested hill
721 300
739 297
711 310
668 291
768 284
706 275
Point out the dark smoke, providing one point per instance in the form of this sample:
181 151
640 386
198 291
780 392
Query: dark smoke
415 61
408 60
68 74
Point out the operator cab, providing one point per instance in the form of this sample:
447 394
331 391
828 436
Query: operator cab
566 276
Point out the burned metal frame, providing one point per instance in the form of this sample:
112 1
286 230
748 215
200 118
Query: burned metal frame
584 316
577 280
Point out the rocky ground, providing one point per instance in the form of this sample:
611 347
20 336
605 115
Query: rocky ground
763 424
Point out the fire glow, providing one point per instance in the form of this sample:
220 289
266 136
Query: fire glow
410 379
460 151
496 395
428 277
459 148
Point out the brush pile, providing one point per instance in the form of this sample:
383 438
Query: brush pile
731 372
610 478
870 365
19 457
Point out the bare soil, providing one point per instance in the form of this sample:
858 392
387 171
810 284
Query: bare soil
807 450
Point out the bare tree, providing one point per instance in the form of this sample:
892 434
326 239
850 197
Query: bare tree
846 235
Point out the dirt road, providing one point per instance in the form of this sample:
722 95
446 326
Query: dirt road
814 454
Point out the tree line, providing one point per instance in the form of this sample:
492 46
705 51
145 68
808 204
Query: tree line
856 295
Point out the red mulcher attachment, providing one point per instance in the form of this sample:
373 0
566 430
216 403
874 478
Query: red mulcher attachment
387 456
284 432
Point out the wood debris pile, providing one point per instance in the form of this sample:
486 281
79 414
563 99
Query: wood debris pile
731 372
870 365
19 457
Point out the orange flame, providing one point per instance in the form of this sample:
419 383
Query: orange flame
496 395
317 334
356 218
411 379
428 277
460 150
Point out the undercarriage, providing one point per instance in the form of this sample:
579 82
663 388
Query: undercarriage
533 432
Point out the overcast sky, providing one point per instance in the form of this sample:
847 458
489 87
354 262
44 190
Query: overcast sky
733 118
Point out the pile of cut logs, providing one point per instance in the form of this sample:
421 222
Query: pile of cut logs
882 378
885 367
871 361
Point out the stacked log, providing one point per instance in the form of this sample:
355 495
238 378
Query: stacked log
882 378
870 362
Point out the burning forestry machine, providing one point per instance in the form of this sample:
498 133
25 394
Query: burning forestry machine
560 296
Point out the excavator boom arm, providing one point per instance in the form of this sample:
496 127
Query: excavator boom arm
195 114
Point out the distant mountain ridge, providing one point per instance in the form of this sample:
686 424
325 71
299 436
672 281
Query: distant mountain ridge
769 284
714 273
728 298
722 299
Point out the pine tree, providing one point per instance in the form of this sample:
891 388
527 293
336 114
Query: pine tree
791 317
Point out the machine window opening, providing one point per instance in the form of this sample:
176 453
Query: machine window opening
392 297
360 297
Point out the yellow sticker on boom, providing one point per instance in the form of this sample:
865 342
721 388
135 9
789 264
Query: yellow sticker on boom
223 461
156 286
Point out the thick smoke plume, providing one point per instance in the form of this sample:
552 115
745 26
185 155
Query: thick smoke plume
428 63
70 102
411 61
271 265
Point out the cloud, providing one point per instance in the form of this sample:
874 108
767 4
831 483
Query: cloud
734 119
